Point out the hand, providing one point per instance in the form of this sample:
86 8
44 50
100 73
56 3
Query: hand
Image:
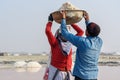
50 18
63 14
85 15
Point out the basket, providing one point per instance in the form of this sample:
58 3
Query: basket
72 16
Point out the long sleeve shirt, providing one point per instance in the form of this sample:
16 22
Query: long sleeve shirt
87 53
59 60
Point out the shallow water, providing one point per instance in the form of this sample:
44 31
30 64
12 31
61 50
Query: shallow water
21 74
109 73
105 73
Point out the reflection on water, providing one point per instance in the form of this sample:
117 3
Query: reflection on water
33 69
22 74
109 73
29 69
20 69
105 73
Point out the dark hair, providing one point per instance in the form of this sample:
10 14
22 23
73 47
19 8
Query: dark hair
93 29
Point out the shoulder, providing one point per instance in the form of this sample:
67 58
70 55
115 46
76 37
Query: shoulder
100 39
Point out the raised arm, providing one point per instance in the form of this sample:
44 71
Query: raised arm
75 40
86 17
48 31
77 29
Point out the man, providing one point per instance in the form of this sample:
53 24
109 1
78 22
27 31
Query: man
88 49
61 52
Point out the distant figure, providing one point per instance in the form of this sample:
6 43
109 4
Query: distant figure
88 49
61 53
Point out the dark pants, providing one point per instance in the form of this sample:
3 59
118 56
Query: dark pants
77 78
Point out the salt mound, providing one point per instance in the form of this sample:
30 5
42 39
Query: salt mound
20 64
33 64
73 14
68 6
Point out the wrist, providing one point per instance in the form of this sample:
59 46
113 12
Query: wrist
87 22
63 18
50 21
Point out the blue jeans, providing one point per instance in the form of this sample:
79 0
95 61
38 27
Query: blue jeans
77 78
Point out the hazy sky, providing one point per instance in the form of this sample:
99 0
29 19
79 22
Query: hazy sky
23 22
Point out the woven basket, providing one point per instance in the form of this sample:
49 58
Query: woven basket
72 16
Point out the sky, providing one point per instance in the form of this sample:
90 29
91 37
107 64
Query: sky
23 22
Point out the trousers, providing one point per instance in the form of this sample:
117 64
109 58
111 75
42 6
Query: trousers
61 75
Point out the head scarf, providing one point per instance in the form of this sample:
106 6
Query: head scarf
65 46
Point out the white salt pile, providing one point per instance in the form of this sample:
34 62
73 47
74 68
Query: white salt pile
73 14
68 6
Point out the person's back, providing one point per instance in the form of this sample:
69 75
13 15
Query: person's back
87 55
88 49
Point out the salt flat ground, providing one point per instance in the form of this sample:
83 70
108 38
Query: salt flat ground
7 72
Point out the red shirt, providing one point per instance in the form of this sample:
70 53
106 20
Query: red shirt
59 60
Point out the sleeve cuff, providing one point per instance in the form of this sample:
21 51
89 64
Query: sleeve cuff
87 22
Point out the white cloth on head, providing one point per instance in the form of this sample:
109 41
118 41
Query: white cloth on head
59 30
66 46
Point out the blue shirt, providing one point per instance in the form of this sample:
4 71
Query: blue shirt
87 53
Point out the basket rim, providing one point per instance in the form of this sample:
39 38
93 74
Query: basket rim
67 10
56 16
